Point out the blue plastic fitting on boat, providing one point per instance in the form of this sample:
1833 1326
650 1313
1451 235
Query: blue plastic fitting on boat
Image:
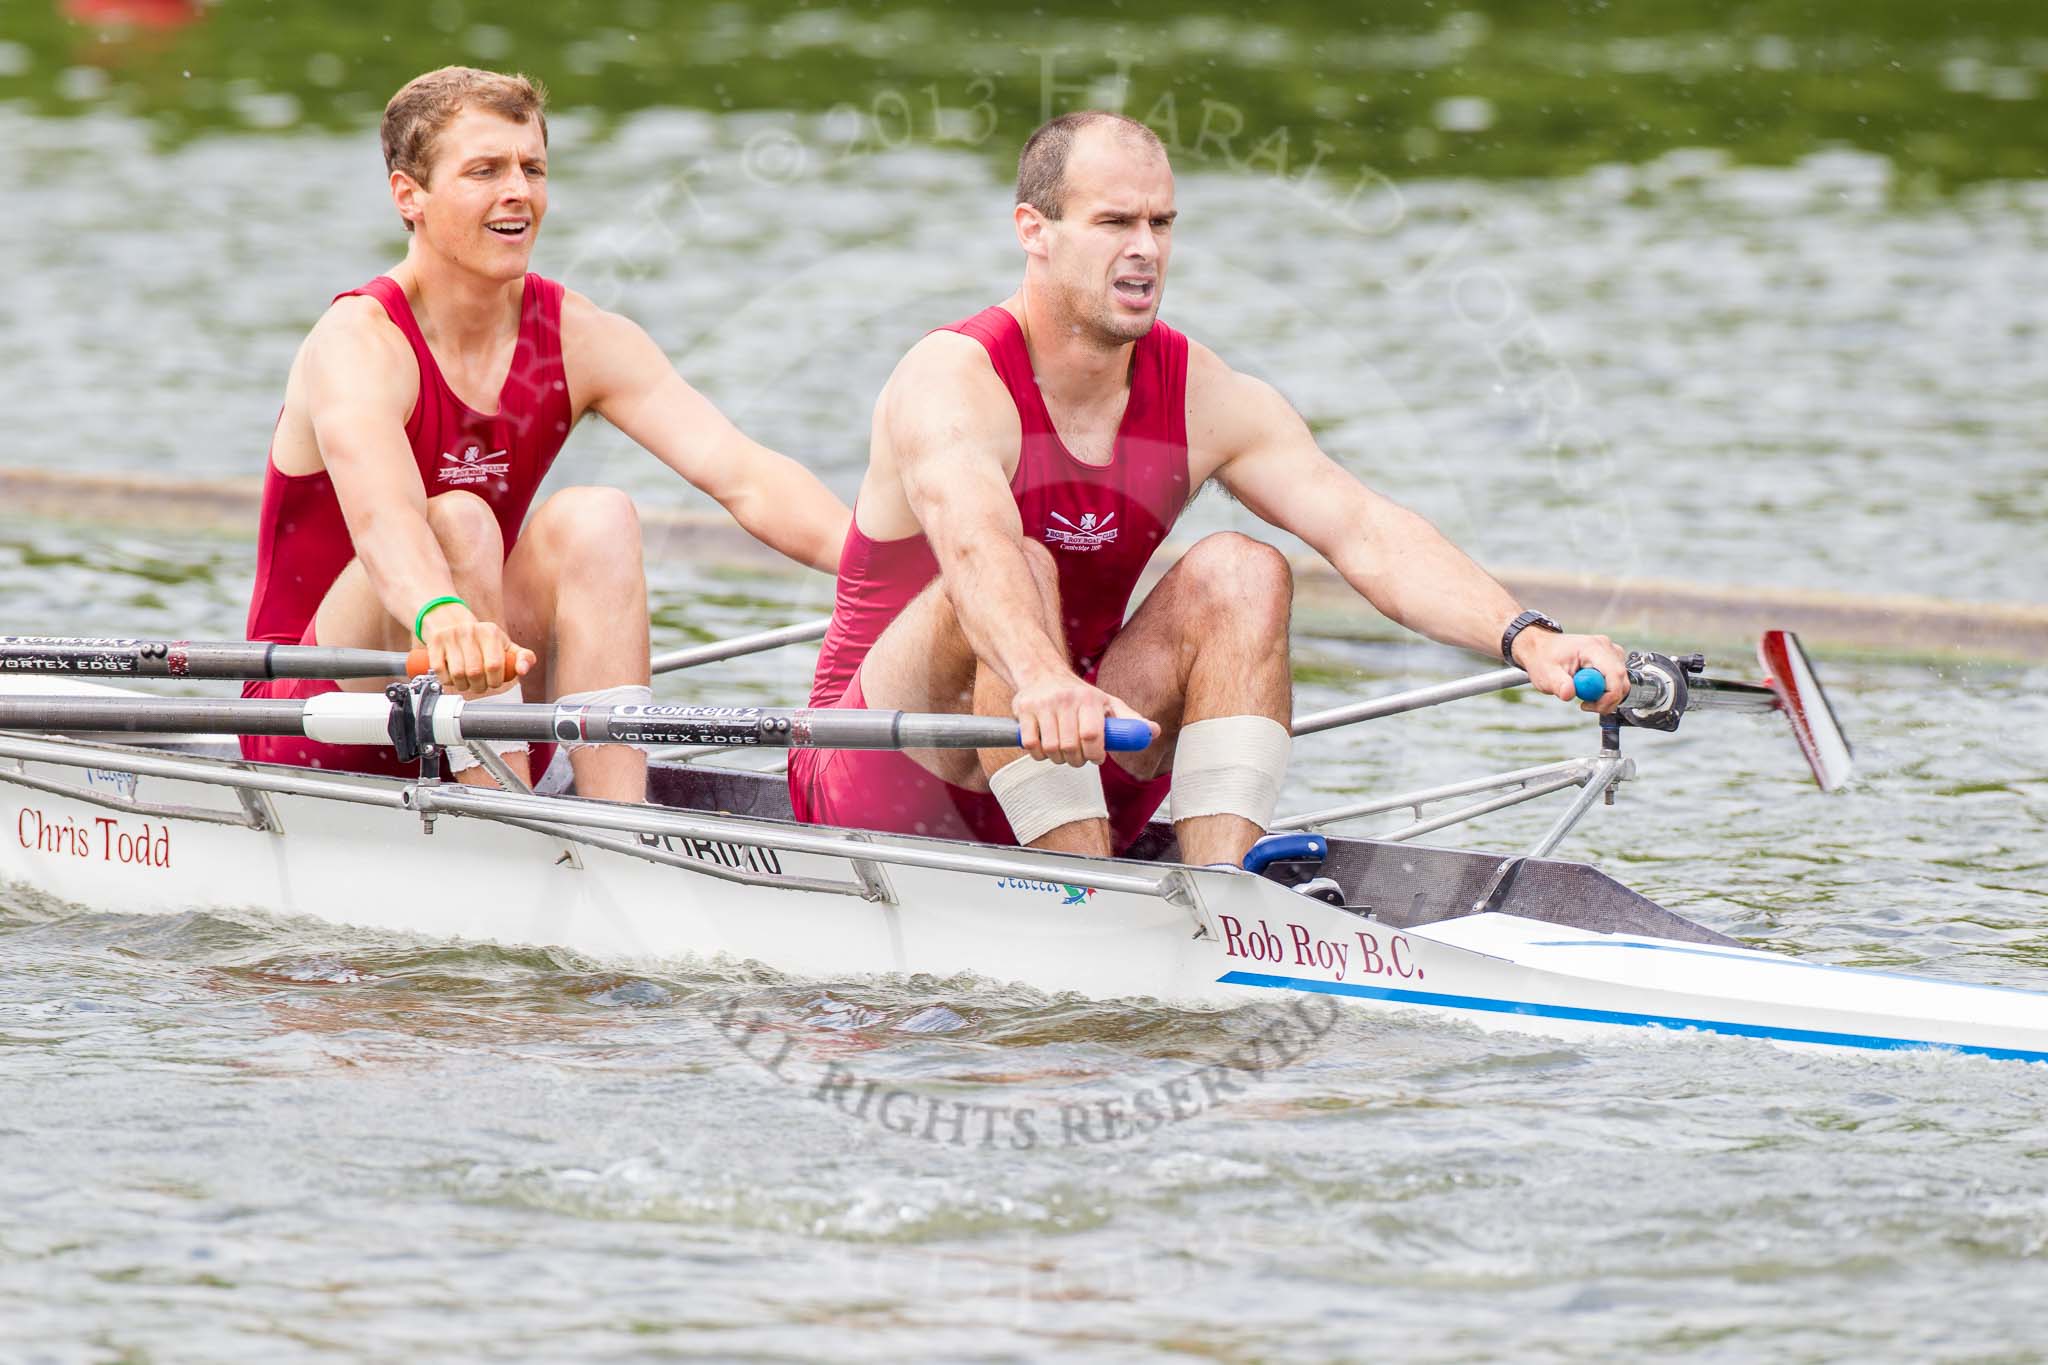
1127 736
1590 684
1289 848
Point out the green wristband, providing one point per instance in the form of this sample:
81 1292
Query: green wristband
421 619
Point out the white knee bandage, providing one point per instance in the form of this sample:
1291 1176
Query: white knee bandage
460 759
1038 795
1232 765
628 694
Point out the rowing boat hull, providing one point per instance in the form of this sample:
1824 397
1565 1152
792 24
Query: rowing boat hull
93 830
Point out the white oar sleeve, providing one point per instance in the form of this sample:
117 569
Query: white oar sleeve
1232 765
348 718
365 718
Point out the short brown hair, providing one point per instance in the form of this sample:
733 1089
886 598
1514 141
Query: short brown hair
1042 166
426 105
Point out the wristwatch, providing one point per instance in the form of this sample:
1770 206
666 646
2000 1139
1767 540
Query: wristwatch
1517 626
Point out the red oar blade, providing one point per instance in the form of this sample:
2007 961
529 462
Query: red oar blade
1805 703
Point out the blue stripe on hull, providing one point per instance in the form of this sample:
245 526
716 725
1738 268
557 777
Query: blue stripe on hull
1622 1018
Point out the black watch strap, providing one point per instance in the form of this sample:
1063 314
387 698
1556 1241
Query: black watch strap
1516 627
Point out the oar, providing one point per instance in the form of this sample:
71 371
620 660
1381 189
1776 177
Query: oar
246 661
799 633
1661 689
370 718
1651 691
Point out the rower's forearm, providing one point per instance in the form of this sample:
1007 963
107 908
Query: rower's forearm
826 521
1418 579
990 585
791 511
405 564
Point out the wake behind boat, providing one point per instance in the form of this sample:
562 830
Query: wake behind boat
714 866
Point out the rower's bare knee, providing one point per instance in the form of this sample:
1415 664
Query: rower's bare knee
1231 580
594 530
467 531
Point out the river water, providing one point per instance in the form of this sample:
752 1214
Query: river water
247 1138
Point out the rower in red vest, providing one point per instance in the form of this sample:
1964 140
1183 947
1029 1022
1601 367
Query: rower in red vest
1024 466
422 413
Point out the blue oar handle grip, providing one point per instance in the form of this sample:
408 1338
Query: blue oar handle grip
1590 684
1125 736
1118 736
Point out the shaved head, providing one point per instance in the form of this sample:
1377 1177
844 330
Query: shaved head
1042 167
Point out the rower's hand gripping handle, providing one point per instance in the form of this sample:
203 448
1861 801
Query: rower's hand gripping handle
416 662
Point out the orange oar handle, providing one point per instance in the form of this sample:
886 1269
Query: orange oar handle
416 662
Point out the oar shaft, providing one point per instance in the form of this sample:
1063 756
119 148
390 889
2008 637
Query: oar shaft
1726 694
366 718
1500 680
155 715
1662 689
79 656
1654 681
741 645
125 658
756 726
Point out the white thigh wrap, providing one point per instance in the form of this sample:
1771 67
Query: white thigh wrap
1038 795
629 694
458 756
1232 765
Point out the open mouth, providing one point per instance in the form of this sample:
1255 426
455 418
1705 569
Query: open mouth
1136 288
513 228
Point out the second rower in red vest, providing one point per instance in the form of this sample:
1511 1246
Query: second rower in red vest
1023 467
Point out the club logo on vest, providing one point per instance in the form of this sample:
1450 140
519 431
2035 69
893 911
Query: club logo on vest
1086 534
473 466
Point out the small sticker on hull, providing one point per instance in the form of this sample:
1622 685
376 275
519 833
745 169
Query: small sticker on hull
1069 895
113 780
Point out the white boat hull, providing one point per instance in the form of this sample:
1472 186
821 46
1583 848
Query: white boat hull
109 838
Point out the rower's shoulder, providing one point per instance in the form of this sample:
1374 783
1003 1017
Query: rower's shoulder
944 351
1219 389
356 313
593 336
583 316
1229 410
944 395
353 359
1211 373
942 365
580 314
355 329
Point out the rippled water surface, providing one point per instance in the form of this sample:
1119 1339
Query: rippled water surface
235 1137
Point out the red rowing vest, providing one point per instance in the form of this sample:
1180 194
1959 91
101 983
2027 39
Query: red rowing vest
302 541
1101 522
